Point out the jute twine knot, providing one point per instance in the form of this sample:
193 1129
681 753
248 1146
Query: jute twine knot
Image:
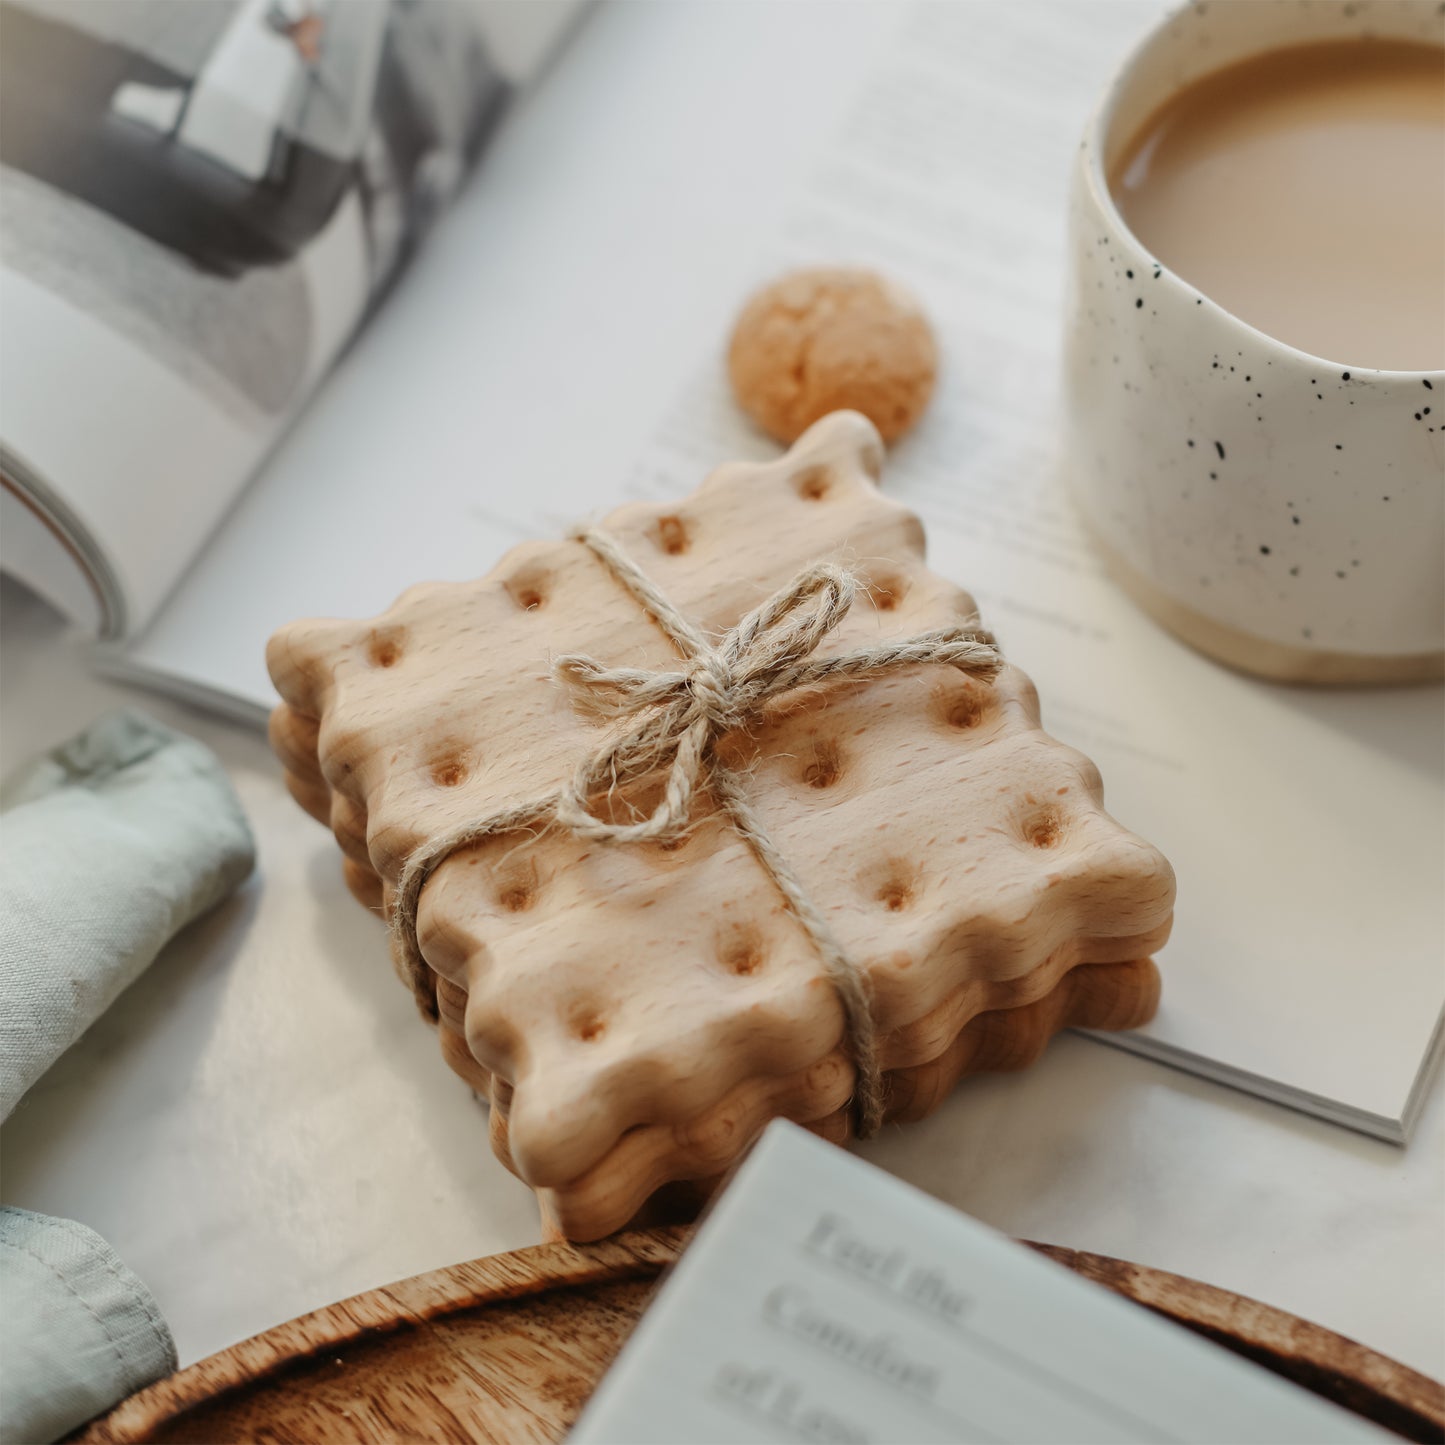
670 724
678 718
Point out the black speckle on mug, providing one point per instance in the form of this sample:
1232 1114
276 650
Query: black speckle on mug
1214 476
1294 571
1419 416
1190 442
1425 382
1344 376
1338 447
1340 575
1219 447
1295 520
1139 302
1129 274
1263 550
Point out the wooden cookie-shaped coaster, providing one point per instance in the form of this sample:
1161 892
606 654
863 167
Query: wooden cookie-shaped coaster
636 999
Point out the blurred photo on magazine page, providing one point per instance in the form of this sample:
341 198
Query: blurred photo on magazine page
199 204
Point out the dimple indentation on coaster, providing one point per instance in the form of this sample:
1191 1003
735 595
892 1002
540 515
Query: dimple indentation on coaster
517 881
892 883
672 535
885 592
1043 825
822 763
588 1026
384 647
896 896
813 483
529 587
740 950
963 707
451 768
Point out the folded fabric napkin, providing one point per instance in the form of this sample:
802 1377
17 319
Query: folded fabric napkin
108 846
78 1330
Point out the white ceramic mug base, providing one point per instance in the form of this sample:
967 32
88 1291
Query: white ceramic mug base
1247 653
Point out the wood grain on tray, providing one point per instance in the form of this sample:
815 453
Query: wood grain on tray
508 1348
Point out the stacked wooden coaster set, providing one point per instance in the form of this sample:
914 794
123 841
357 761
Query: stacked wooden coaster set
725 810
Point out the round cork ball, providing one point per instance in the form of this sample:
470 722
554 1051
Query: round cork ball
824 340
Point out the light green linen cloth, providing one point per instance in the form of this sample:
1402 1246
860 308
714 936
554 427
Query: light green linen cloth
108 846
78 1331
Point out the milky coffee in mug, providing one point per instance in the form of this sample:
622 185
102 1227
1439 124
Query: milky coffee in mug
1256 374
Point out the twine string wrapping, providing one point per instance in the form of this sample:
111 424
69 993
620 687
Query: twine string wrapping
670 723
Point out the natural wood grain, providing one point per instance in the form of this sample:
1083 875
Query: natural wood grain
1339 1369
507 1349
638 1012
503 1349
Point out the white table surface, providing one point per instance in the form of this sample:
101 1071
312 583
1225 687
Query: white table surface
261 1124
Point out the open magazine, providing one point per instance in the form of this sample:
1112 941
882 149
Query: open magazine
557 349
199 204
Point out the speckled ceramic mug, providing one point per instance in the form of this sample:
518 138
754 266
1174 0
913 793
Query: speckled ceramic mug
1190 479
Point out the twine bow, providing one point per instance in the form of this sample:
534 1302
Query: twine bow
672 721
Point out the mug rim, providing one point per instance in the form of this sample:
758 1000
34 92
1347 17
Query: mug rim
1095 135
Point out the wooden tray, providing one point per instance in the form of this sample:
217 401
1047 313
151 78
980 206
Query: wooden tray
508 1348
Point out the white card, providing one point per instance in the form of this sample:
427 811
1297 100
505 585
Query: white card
823 1300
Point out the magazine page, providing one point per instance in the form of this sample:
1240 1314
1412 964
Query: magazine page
198 203
518 387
